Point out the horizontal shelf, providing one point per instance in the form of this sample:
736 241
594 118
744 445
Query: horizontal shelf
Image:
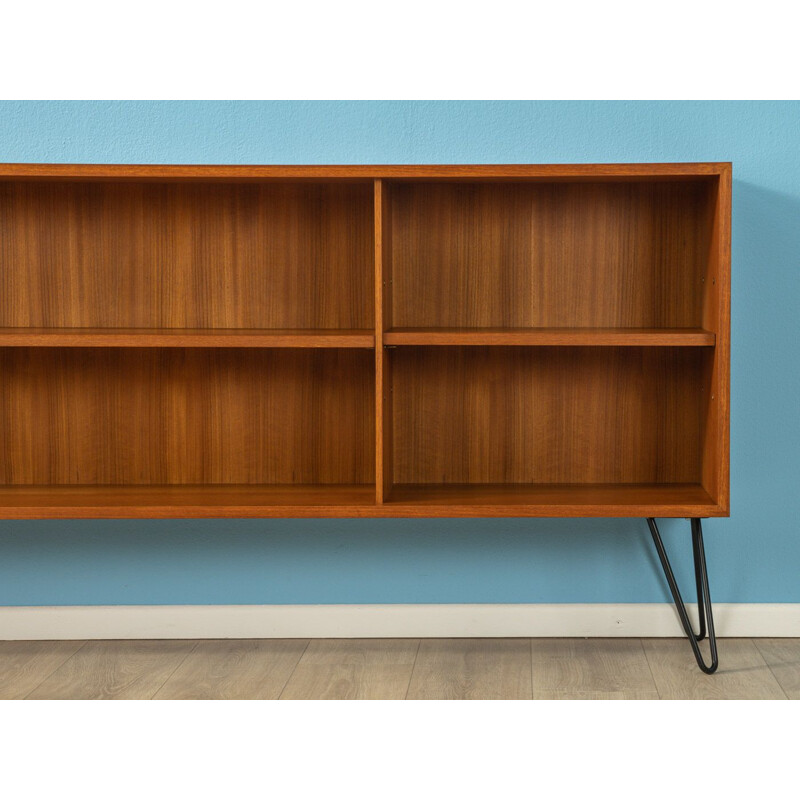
616 337
474 500
184 337
363 338
176 501
555 500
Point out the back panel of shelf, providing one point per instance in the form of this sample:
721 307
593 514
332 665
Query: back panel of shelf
174 416
566 415
93 254
607 254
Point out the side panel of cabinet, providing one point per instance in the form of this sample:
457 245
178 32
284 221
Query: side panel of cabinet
717 318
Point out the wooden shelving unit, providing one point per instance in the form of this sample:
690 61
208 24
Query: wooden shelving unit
364 341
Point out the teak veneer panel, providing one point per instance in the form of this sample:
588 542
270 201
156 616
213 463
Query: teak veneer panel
589 496
549 255
187 337
186 416
547 415
119 502
358 172
717 318
172 255
364 341
176 501
563 337
383 320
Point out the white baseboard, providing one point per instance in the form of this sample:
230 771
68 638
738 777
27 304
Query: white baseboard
381 621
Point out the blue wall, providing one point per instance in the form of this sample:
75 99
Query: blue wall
754 555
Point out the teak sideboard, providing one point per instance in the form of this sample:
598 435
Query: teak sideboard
365 341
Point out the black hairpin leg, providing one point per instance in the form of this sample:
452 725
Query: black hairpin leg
703 595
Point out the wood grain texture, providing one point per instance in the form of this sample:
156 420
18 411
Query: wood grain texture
24 665
783 658
549 255
131 295
547 415
353 669
183 502
262 172
717 318
186 416
339 500
472 669
743 674
599 669
630 694
383 364
150 255
562 669
549 337
187 337
551 500
234 669
114 670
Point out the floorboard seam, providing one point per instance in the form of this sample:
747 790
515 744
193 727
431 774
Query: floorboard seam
177 667
294 669
413 667
650 667
50 674
769 667
530 653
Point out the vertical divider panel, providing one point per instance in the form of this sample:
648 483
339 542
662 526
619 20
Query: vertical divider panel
383 311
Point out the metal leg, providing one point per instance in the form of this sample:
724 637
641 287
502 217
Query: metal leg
703 594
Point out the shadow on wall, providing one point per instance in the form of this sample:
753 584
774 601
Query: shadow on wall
327 561
754 556
761 551
765 334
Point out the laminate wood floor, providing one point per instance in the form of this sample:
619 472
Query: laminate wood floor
468 669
